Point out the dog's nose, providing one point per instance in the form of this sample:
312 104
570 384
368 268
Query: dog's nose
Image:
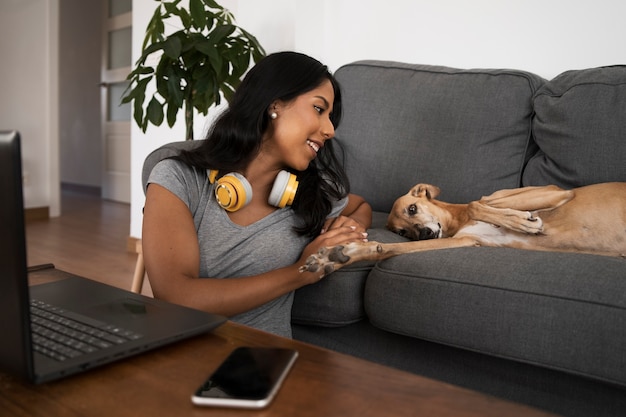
426 233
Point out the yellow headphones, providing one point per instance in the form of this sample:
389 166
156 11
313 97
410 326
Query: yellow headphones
233 191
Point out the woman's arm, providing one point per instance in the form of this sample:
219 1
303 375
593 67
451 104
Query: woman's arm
357 214
359 210
172 257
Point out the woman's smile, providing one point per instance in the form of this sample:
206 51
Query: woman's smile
316 146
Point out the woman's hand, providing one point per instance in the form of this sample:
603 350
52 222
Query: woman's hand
343 221
337 234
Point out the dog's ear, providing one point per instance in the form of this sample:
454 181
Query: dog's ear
425 190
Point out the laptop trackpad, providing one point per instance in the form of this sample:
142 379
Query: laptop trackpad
124 308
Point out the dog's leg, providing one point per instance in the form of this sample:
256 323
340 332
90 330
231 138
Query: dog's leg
517 220
543 198
512 208
329 259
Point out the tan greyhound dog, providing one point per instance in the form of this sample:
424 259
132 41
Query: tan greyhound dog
589 219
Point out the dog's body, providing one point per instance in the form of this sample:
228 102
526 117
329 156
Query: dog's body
589 219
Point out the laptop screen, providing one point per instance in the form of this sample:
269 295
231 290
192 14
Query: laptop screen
88 303
15 352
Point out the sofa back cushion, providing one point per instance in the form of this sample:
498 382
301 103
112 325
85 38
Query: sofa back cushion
466 131
580 128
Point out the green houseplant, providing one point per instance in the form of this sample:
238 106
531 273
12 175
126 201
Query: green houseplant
197 65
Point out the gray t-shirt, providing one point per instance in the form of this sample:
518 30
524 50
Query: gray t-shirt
229 250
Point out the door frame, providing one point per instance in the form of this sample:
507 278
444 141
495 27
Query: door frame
115 137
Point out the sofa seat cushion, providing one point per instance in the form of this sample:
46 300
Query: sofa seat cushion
466 131
580 128
558 310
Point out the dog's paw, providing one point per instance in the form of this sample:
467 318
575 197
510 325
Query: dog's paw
326 260
535 224
523 222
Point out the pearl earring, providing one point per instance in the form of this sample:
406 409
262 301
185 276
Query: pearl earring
273 115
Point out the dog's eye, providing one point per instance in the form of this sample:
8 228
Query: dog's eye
412 210
402 232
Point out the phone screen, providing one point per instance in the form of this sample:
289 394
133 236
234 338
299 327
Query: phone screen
249 377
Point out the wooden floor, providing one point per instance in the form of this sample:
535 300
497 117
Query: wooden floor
88 239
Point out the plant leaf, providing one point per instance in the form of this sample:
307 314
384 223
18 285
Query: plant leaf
182 14
198 14
154 31
155 112
201 86
213 4
140 70
172 47
139 93
220 32
162 73
138 113
174 90
185 18
171 8
193 58
209 49
150 49
172 111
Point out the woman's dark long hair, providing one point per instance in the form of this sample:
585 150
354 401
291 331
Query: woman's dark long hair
236 136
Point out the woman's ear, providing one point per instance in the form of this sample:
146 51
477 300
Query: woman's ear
274 107
278 106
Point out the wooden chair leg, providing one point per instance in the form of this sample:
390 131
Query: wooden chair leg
140 271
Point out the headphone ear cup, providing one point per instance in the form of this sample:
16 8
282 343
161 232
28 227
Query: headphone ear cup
233 191
284 190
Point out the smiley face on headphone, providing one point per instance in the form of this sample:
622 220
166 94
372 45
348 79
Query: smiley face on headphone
233 191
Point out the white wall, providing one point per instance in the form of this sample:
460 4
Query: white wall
542 36
29 93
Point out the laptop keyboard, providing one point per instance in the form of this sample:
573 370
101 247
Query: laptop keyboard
61 334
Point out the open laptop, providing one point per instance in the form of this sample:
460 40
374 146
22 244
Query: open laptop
117 323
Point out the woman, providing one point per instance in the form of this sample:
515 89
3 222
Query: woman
282 117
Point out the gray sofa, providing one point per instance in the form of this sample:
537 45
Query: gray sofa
545 329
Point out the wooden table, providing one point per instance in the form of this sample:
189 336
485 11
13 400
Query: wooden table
322 383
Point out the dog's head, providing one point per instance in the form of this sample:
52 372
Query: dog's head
415 216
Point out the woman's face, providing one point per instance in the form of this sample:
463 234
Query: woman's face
302 127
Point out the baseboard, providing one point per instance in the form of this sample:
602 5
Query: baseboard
81 189
133 244
36 213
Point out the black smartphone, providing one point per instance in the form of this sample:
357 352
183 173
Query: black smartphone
248 378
